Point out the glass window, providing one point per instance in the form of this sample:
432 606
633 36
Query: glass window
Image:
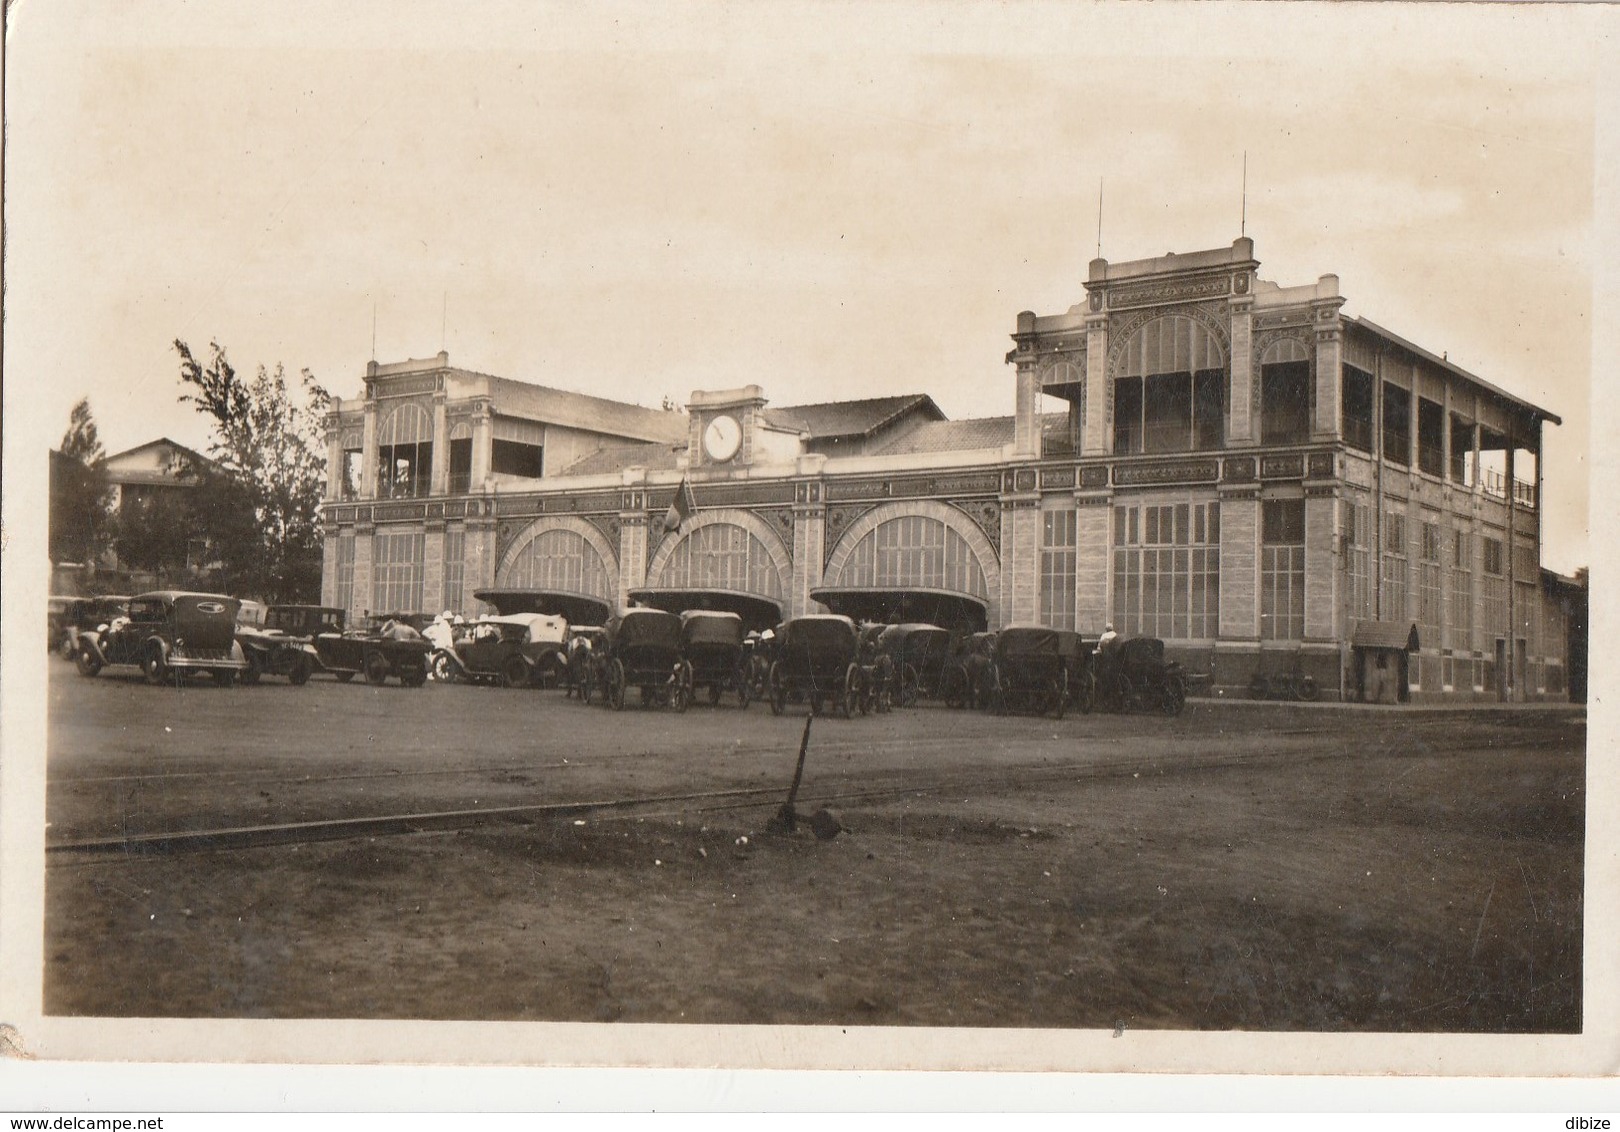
721 556
1282 569
397 572
1356 403
1397 424
1285 403
1167 570
455 553
460 466
404 453
1462 450
914 550
1058 544
1127 416
512 458
1431 437
558 560
343 594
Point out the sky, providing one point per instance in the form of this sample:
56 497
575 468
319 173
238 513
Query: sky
830 200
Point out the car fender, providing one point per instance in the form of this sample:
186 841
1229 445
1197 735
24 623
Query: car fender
91 640
162 645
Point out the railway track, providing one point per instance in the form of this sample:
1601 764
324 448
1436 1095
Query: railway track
893 785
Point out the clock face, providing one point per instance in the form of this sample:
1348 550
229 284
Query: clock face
722 438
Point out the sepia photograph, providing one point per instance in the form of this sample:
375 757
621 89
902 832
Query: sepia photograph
965 536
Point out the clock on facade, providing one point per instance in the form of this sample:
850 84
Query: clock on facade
722 439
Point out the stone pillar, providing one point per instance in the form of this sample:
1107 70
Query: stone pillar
1092 563
438 482
483 430
334 457
1027 410
329 556
1322 566
1329 367
1099 427
809 535
368 461
361 599
1240 566
433 566
1020 547
479 563
1240 405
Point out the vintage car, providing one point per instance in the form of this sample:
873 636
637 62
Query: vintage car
387 646
1134 676
1029 670
643 650
280 640
918 658
516 651
712 644
817 658
168 634
82 614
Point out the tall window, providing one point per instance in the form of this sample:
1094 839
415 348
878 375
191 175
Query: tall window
404 453
343 595
1167 570
460 466
558 560
1493 588
1170 389
353 461
517 448
914 550
1460 630
1397 424
1429 582
396 567
1358 551
1058 541
721 556
1393 604
455 570
1285 402
1282 570
1431 438
1462 450
1357 403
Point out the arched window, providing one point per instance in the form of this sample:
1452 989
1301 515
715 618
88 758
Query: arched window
913 550
1285 393
558 560
404 452
1170 388
721 556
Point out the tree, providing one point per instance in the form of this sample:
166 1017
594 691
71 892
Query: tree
258 502
81 498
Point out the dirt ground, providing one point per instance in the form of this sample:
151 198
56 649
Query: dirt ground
1400 884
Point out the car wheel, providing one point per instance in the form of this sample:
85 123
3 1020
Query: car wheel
852 692
680 695
376 669
250 674
1175 696
443 670
586 688
154 667
1060 696
343 677
302 668
415 678
1306 689
87 664
1085 696
514 672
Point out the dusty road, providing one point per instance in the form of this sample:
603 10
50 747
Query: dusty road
1242 866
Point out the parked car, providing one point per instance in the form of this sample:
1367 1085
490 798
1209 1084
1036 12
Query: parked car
85 613
918 657
515 651
280 641
1029 670
168 634
57 610
386 646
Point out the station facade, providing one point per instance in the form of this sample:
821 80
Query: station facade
1195 454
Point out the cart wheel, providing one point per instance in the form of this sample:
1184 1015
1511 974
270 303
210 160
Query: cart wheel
615 686
376 669
1175 696
852 692
302 668
586 687
1260 687
910 683
995 695
514 672
680 693
343 677
1060 695
1085 693
715 692
1306 688
250 674
87 663
744 692
154 667
778 692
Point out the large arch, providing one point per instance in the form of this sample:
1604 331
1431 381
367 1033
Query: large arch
593 539
1171 342
780 557
953 520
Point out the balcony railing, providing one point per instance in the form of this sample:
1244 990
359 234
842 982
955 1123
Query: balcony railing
1495 483
406 487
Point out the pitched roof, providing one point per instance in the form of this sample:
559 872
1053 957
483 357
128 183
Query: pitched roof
965 435
852 418
1454 368
583 411
654 457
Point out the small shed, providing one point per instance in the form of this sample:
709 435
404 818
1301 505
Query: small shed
1380 649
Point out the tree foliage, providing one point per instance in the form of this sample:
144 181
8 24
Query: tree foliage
259 500
81 499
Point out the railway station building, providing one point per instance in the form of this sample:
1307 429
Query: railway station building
1194 453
